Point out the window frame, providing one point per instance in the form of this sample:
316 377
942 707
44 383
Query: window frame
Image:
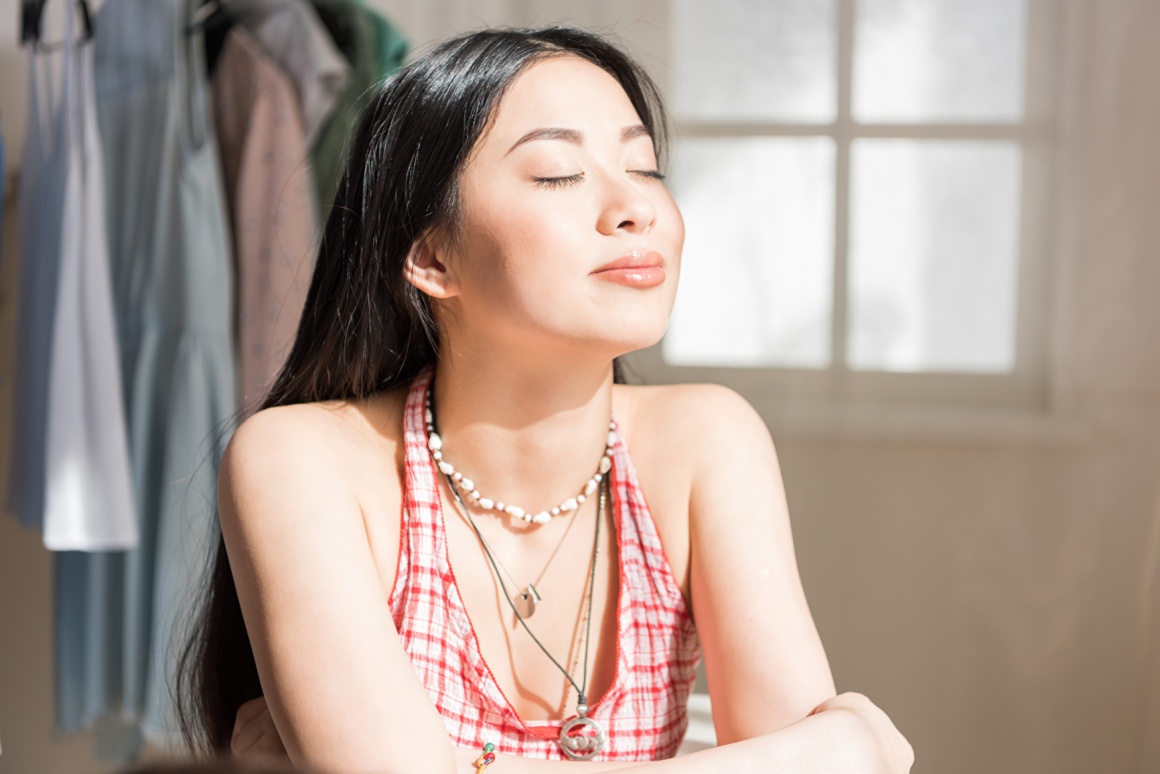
1027 386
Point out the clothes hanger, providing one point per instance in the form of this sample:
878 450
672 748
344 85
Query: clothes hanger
31 15
211 13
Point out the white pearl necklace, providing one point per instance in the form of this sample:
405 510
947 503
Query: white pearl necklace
435 446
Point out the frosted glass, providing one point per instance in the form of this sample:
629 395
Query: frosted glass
933 258
755 60
757 273
939 60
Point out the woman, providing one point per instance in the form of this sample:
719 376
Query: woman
436 534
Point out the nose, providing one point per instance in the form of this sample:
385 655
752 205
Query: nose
625 208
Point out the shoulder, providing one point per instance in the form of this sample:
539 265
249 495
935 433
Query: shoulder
691 406
695 447
298 438
310 579
328 449
703 424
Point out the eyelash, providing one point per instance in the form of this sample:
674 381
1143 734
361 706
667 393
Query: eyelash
558 182
561 182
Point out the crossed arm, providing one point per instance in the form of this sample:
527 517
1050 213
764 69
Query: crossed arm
772 691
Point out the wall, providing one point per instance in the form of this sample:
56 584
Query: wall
996 590
990 581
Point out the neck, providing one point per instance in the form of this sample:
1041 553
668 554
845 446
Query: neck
527 433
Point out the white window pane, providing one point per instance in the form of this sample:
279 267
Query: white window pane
757 271
933 257
939 60
755 60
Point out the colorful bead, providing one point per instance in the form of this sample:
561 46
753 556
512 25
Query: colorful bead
486 759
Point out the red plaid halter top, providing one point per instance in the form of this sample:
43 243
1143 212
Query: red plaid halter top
657 648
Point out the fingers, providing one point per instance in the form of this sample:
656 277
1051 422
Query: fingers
255 737
246 737
267 748
250 710
245 718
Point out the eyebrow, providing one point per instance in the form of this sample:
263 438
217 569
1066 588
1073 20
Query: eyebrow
574 136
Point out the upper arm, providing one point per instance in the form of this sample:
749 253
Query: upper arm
338 682
764 661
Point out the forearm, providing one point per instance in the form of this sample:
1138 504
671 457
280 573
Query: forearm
820 743
512 764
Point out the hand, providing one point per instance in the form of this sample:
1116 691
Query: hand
875 733
255 739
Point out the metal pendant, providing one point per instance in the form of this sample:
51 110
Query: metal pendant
582 738
526 601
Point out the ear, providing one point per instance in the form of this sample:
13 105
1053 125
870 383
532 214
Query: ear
424 269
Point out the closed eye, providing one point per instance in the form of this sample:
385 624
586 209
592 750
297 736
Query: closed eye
558 182
562 182
653 174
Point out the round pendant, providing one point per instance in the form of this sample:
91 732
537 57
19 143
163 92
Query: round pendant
582 739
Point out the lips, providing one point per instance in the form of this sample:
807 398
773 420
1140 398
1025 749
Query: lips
640 269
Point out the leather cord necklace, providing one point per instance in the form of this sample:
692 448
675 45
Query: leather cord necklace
529 599
581 738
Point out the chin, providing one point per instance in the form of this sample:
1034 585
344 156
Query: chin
631 336
609 330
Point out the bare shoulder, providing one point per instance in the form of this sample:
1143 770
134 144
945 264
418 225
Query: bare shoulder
301 520
695 423
680 436
332 453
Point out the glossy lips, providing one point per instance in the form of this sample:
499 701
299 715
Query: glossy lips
638 269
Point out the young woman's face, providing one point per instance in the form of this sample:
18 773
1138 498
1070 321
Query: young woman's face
567 236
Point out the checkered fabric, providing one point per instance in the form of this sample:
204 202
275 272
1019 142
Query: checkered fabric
643 711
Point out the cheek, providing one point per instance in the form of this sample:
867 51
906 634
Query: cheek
671 233
513 257
678 230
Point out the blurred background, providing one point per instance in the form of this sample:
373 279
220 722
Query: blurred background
923 239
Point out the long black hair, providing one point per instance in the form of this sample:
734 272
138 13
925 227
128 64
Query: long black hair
364 328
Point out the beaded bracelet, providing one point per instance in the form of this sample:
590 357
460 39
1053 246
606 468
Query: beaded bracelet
483 761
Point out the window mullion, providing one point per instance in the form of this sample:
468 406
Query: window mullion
843 133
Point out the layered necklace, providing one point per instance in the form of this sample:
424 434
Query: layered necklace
581 737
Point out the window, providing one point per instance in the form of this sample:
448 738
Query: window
865 186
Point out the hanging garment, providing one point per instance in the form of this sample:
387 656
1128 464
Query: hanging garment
271 200
3 181
293 35
72 475
44 170
116 644
375 49
389 44
9 290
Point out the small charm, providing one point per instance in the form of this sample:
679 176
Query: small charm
527 600
582 738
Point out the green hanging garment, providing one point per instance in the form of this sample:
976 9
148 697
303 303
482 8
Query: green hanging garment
375 49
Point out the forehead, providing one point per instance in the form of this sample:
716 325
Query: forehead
561 91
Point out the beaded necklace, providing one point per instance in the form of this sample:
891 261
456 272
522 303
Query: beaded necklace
435 447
